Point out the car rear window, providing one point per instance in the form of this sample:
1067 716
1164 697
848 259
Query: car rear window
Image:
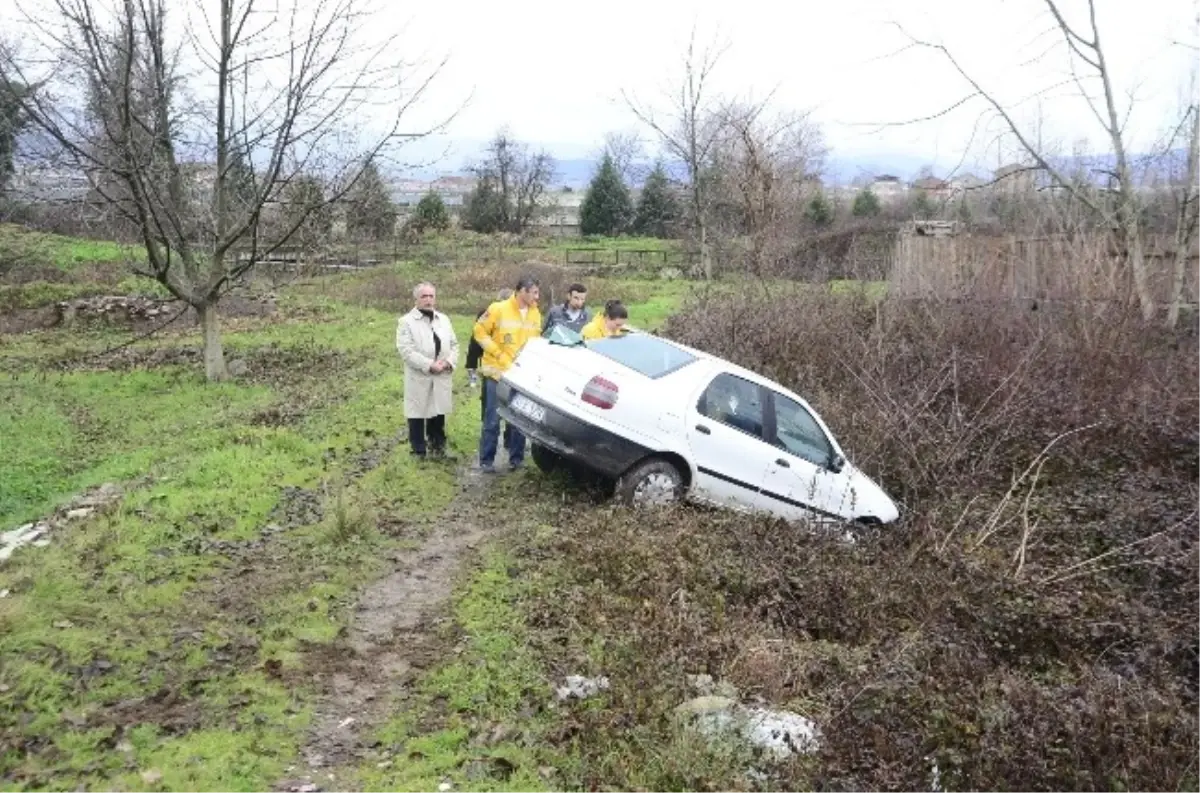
648 355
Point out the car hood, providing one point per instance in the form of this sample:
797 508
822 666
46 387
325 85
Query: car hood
870 497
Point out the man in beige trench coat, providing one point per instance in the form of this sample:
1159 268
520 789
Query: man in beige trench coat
426 341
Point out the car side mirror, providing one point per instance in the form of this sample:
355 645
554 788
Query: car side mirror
837 463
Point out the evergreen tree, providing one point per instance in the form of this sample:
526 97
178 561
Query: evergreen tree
12 121
964 212
306 206
819 212
657 208
240 175
372 214
922 207
485 210
866 204
430 214
607 208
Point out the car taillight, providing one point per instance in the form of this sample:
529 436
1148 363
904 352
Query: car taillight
600 392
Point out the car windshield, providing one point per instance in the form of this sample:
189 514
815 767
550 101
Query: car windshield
561 334
648 355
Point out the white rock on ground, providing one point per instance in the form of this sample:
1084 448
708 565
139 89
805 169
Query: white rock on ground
580 687
780 733
38 534
22 535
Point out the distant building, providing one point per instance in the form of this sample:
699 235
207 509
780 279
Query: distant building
932 186
965 182
887 187
35 184
1014 178
558 212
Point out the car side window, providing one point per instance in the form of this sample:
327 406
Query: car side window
735 402
797 432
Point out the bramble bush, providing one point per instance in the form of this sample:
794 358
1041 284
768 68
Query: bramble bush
1030 623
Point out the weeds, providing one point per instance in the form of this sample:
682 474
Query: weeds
1032 621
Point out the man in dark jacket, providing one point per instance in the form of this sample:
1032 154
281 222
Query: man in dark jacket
572 313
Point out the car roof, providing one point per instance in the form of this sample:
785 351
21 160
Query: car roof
725 365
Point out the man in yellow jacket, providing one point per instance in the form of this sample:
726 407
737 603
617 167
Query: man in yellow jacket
610 322
502 331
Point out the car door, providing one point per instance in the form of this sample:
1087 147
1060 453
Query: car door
726 433
800 481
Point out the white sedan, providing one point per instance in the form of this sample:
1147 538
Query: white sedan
666 422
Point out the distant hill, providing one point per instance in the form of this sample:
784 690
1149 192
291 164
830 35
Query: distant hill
576 172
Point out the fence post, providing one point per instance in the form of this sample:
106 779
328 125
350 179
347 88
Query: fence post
616 257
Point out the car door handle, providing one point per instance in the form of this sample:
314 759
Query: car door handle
703 429
782 463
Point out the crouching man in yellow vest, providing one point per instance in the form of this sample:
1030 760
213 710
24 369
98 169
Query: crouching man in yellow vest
502 331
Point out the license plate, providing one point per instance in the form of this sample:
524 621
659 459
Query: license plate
527 407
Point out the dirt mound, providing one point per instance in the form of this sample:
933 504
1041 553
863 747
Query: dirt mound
126 309
23 320
272 364
906 656
279 364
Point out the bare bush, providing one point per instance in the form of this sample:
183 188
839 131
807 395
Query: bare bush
1118 205
938 395
1030 624
766 166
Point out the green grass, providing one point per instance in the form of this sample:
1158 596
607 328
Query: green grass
142 588
143 591
184 629
21 247
621 243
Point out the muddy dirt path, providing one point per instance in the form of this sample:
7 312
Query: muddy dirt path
391 639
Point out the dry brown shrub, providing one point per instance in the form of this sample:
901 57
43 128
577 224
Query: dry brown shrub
927 642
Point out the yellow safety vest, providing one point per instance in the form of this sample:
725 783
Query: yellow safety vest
502 332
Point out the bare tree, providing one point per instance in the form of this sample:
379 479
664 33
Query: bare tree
766 162
626 150
1187 204
689 130
292 91
1086 56
519 177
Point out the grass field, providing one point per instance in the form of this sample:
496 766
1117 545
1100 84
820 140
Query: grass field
283 598
19 246
136 646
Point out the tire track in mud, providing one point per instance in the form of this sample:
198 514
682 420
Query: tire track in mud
391 639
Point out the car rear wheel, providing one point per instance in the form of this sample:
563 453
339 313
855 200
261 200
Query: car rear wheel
546 460
653 483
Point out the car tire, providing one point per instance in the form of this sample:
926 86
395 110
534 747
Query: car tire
651 483
546 460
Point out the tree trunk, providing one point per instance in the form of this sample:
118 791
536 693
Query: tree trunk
705 254
1177 283
1185 223
214 354
1137 264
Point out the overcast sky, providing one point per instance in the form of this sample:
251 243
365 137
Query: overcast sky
554 72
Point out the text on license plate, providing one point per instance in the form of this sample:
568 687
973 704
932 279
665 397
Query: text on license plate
527 407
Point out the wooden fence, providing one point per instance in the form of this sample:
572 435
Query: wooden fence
1057 267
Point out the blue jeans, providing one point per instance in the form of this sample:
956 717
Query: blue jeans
490 440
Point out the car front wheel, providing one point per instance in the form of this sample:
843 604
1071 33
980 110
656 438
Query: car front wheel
653 483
